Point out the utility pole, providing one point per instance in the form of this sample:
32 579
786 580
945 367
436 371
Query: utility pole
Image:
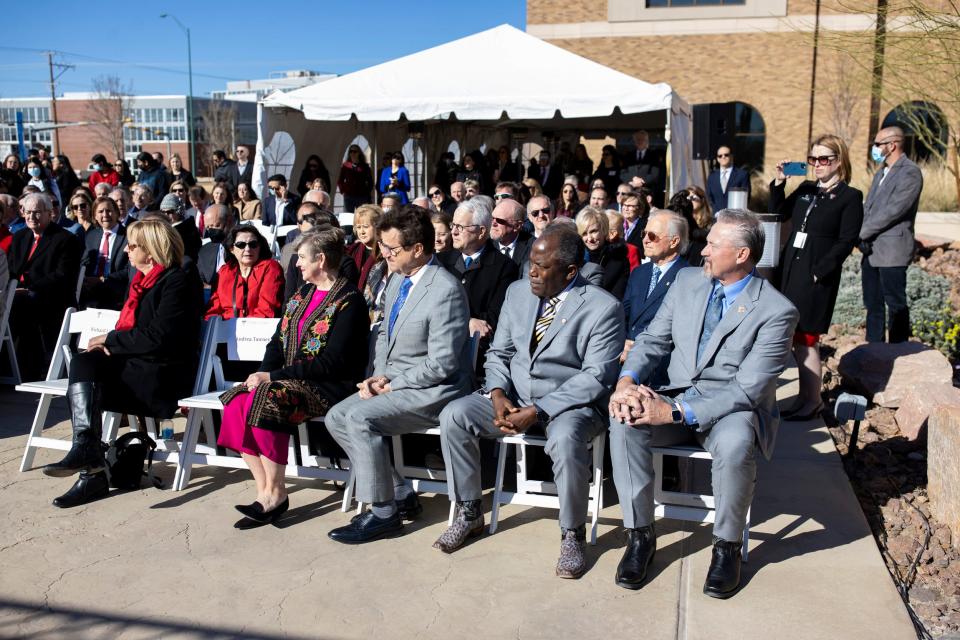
53 97
813 74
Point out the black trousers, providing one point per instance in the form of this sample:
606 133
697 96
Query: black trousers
885 297
117 395
35 325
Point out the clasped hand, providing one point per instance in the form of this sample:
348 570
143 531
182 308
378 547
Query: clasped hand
637 404
374 386
509 418
98 343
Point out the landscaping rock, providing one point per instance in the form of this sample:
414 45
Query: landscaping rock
885 373
920 403
943 467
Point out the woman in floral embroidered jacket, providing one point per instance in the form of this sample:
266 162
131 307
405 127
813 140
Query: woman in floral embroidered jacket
315 359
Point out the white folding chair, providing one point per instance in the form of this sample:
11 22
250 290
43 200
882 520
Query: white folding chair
679 505
256 333
538 493
6 336
280 233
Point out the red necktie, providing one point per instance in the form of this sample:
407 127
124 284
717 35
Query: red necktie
36 241
104 254
200 221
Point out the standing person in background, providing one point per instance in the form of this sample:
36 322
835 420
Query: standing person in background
123 170
649 165
702 213
10 172
887 238
395 178
66 178
609 170
582 166
826 215
152 175
102 172
355 181
313 169
178 173
724 178
221 166
241 170
39 177
549 176
365 251
247 202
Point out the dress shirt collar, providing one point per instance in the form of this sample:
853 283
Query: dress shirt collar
473 256
731 291
415 278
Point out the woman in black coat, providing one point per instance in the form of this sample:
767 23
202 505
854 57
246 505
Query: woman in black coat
313 169
826 216
594 228
66 178
142 367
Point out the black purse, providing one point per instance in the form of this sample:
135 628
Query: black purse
125 459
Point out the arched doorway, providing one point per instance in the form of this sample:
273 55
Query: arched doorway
924 129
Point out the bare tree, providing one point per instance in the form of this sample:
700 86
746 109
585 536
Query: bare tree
108 108
845 98
219 124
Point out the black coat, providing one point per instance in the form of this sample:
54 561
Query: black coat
833 228
269 213
207 262
616 267
160 354
486 280
187 228
51 273
110 293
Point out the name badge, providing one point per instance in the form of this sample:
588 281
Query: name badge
799 240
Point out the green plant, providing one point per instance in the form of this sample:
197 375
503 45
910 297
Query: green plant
848 311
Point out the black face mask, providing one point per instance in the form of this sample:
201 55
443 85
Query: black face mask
215 235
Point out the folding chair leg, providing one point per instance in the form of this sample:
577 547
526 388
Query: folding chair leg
184 463
36 429
7 344
347 494
596 491
498 487
453 510
111 424
745 552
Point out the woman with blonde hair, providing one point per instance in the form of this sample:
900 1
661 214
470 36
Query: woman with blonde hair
826 215
533 188
80 210
138 368
365 251
594 229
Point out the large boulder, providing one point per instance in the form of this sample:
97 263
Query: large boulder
920 403
885 373
943 467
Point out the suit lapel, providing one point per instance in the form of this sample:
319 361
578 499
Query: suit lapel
46 239
571 303
742 306
415 295
701 296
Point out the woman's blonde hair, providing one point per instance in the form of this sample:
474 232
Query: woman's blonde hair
534 187
588 215
159 239
371 212
839 147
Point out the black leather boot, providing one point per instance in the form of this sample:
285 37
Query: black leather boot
89 486
86 451
637 557
723 577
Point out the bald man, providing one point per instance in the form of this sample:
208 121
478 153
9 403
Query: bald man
507 231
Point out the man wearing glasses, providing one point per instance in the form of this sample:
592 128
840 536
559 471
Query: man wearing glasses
507 230
887 238
726 177
421 363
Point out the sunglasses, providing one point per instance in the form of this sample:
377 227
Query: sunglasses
723 155
652 237
253 244
536 213
436 194
822 161
623 193
178 190
693 198
502 196
77 207
502 222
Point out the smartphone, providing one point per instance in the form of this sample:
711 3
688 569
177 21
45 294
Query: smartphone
794 168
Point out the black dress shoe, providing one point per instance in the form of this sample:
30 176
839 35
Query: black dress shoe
637 557
249 510
723 577
409 507
366 527
269 517
87 488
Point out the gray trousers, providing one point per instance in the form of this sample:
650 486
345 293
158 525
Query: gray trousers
359 426
464 421
733 445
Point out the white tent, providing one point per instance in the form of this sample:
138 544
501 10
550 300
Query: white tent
500 86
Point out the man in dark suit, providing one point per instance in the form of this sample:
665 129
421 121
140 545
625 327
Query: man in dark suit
665 237
241 170
105 262
507 233
726 177
218 222
222 167
647 164
280 199
484 272
46 260
549 176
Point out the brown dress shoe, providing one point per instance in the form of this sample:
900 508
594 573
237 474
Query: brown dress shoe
462 529
572 562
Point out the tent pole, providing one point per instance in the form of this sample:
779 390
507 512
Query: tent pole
668 183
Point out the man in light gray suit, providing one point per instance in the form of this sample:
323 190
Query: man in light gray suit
422 363
551 364
727 332
886 237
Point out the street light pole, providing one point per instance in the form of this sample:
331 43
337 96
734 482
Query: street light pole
190 132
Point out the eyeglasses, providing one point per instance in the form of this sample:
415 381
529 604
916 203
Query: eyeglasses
652 237
504 223
393 251
253 244
723 155
629 206
880 143
536 213
502 196
822 161
77 207
177 190
458 228
693 198
623 193
436 194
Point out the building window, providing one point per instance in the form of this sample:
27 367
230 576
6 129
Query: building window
692 3
667 10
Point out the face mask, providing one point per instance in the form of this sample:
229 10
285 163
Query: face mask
215 235
34 172
876 154
273 192
96 167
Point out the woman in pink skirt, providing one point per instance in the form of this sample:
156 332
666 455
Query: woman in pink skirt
314 360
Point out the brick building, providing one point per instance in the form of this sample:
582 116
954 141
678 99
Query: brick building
757 54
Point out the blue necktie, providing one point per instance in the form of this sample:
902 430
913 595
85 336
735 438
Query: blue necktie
467 262
711 319
398 304
654 279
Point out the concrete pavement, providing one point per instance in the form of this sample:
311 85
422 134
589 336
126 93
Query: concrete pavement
158 564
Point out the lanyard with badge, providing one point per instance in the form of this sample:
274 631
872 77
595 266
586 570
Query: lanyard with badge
800 238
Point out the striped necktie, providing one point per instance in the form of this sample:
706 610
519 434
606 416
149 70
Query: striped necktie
546 317
654 279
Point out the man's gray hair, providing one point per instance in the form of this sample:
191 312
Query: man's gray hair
480 213
317 196
748 231
677 226
42 198
549 202
569 246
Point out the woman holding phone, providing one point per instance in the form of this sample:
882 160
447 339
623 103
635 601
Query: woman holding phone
826 215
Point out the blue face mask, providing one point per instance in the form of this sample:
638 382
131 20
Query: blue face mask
34 172
273 192
876 154
96 167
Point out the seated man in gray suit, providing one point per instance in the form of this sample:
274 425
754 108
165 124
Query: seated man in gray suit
728 336
422 362
552 361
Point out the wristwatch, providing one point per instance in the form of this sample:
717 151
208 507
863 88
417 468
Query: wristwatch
542 416
676 414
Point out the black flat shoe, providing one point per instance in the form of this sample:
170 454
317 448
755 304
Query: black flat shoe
244 524
637 557
250 510
269 517
409 507
723 576
794 417
367 527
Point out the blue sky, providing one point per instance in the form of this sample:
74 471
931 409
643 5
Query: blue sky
231 40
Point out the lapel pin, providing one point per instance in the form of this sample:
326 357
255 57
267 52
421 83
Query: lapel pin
563 321
741 309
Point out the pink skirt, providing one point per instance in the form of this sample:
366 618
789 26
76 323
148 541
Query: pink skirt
237 434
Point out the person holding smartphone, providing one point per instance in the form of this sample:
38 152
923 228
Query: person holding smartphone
826 215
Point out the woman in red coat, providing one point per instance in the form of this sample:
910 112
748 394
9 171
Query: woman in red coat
250 283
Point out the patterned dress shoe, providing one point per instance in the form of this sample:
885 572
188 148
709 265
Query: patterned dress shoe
462 529
572 562
723 576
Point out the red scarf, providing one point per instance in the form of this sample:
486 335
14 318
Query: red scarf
140 285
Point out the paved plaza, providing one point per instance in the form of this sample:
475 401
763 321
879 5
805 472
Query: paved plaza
159 564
